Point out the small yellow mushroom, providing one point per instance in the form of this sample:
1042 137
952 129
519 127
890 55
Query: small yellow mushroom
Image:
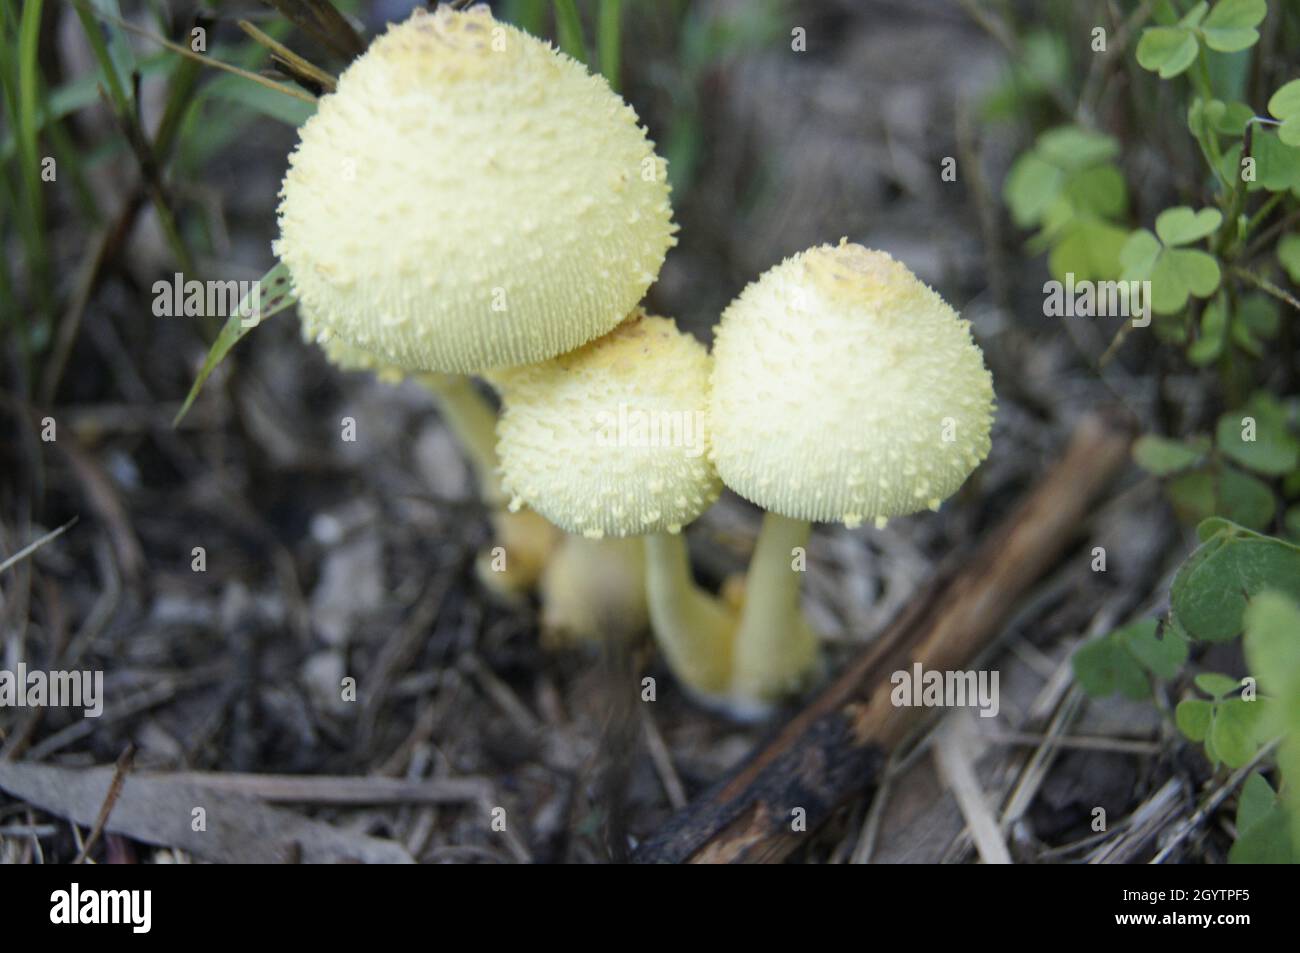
844 390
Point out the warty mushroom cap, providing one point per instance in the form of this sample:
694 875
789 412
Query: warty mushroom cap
846 389
612 439
470 198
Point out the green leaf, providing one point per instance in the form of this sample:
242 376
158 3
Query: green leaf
1139 254
1233 732
1272 645
1216 685
1272 642
1104 667
1288 253
1270 449
1031 187
1259 314
275 285
1099 190
1233 120
1277 165
1209 345
1265 841
1291 522
1089 248
1178 274
1231 24
1244 499
1181 226
1192 716
1161 456
1256 800
1195 15
1285 105
1073 147
1197 269
1211 589
1211 527
1167 50
1162 654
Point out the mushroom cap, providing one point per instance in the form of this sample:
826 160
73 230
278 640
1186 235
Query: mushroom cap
470 198
612 439
348 358
845 389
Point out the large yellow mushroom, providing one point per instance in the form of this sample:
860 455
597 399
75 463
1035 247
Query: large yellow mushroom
470 198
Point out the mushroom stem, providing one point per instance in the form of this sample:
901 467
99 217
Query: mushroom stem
474 422
775 649
693 629
526 538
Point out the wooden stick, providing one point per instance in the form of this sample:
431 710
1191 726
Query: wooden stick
835 748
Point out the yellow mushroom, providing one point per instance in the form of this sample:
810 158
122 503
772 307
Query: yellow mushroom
843 390
612 440
470 198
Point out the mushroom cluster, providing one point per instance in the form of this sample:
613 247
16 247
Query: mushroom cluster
472 202
467 199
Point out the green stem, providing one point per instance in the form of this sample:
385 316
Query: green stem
568 26
693 629
608 30
474 422
775 648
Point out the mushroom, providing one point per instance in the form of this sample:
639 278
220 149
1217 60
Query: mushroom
611 440
470 198
593 590
843 390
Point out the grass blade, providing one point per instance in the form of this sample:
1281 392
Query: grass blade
276 283
568 25
608 39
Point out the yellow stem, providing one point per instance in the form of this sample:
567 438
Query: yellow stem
775 650
474 422
693 629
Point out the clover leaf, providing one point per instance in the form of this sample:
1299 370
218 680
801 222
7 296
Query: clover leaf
1175 273
1170 49
1161 456
1231 25
1256 436
1210 591
1285 106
